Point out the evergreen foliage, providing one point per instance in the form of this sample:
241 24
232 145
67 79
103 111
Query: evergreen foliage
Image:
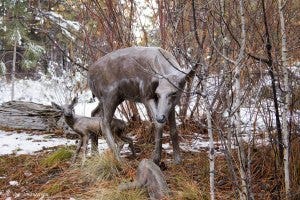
17 25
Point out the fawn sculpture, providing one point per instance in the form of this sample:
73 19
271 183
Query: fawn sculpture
85 126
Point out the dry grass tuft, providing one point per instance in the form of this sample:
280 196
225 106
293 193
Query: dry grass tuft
54 189
57 157
101 167
187 189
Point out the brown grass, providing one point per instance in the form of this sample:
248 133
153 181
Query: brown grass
189 180
101 167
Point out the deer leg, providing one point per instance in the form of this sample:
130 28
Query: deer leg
108 111
79 145
174 137
94 140
109 138
85 140
97 112
151 105
158 143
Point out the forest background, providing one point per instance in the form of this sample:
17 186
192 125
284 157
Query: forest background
246 83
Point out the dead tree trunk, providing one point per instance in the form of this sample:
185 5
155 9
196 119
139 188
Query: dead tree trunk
29 116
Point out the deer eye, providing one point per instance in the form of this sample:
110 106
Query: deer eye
156 97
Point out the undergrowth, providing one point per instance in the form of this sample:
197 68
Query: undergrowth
101 167
53 176
115 194
57 157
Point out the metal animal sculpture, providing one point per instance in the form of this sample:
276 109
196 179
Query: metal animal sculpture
150 176
85 126
149 75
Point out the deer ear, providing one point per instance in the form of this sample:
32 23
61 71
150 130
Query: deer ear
154 84
54 105
74 101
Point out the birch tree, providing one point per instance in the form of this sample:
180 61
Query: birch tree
286 100
211 154
208 109
237 115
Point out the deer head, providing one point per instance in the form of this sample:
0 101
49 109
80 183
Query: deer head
68 109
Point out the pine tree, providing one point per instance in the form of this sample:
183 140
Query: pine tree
16 22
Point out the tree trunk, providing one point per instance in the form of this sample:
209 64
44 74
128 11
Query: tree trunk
245 187
211 144
13 70
271 73
161 16
29 116
286 101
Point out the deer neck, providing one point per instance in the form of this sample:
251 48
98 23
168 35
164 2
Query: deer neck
70 120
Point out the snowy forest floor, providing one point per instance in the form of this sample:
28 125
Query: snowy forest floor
49 174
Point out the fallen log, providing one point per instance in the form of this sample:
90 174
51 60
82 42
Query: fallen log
30 116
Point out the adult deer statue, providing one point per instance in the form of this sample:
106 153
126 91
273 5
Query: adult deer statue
149 75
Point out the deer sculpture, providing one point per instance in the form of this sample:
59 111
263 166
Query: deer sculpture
149 75
86 126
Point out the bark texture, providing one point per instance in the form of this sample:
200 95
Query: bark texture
29 116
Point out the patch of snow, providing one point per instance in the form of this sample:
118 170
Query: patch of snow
27 173
36 49
16 36
24 143
85 109
14 183
200 142
66 25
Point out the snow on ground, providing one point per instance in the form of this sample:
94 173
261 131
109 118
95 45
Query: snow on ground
25 143
200 142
